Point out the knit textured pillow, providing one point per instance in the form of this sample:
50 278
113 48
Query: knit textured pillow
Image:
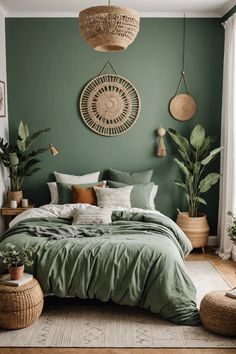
113 197
95 216
140 195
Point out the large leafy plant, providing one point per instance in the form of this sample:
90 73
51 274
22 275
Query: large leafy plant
12 257
232 228
17 158
196 155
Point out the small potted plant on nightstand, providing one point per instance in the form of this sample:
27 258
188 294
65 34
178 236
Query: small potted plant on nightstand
196 155
17 259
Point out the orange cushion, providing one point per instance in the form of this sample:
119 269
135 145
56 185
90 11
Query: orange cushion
85 195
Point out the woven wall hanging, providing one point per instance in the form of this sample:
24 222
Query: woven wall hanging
183 106
109 104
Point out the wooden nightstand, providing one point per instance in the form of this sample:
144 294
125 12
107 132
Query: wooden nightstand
9 213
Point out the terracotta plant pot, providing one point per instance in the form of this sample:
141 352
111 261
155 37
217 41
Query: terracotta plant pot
17 195
195 228
16 273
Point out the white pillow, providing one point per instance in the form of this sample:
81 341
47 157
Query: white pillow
152 197
91 216
72 179
53 191
113 197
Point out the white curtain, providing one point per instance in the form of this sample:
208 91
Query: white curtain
228 139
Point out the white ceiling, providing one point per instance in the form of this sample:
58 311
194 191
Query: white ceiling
147 8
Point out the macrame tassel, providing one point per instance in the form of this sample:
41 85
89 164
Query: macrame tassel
53 150
161 149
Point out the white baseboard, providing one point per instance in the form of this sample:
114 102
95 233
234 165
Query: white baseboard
212 241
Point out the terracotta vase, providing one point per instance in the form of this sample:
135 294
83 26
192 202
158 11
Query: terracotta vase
16 273
17 195
195 228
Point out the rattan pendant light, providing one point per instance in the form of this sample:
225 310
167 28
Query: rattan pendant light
109 28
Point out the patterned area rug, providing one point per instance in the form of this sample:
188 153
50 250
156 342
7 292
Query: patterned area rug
74 323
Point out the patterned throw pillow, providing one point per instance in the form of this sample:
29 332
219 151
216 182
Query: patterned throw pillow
113 197
85 195
91 216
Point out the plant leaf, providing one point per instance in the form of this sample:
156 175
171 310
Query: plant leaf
196 168
30 139
197 137
208 181
182 167
14 161
181 184
23 131
21 145
212 154
180 140
200 200
31 171
208 141
34 153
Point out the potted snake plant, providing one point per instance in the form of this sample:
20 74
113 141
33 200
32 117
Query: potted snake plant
196 155
19 162
16 260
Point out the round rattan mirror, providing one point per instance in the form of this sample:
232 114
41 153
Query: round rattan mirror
182 107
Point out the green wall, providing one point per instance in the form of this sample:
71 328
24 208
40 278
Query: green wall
48 63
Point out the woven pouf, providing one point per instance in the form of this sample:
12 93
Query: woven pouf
218 313
20 306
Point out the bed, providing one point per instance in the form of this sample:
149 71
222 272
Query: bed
138 260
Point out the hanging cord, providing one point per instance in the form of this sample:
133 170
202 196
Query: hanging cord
183 77
184 80
108 63
183 62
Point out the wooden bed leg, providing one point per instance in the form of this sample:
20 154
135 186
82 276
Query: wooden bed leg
203 249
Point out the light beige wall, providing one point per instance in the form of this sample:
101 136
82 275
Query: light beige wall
3 120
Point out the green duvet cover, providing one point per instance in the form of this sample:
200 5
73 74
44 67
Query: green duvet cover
138 260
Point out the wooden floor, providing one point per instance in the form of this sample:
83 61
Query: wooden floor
113 351
227 268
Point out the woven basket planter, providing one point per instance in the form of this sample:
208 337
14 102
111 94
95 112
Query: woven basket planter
20 306
17 195
196 229
218 313
109 28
